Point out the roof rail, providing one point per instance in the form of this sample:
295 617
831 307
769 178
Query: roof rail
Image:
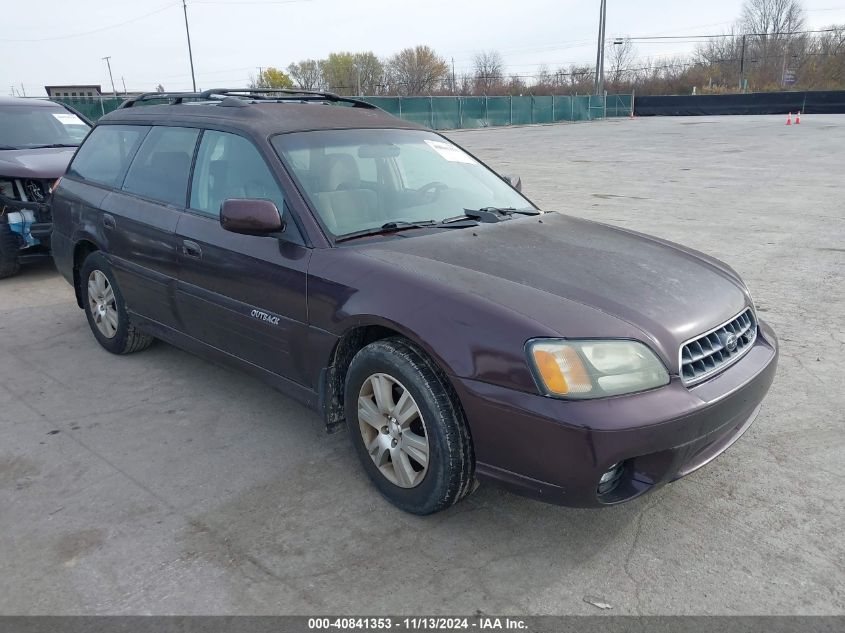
268 94
280 94
174 97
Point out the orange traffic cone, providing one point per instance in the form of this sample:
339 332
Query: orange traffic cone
798 118
789 120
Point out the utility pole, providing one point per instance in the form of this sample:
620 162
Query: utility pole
742 67
190 52
600 52
123 81
108 63
358 68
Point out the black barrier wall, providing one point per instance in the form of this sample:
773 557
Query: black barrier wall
827 102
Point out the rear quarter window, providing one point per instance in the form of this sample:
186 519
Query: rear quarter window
161 167
106 154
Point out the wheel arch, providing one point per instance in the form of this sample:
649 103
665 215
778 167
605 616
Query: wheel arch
354 339
82 248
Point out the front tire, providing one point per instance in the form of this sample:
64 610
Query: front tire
407 428
106 310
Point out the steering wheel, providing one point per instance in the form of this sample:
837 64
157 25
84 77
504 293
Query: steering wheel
432 190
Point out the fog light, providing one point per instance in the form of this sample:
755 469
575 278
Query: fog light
610 479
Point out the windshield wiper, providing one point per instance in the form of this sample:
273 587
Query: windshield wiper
388 227
460 222
49 145
8 147
502 211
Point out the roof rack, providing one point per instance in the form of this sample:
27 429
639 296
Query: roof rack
173 97
255 94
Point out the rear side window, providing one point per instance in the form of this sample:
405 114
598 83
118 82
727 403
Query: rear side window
230 166
161 167
106 153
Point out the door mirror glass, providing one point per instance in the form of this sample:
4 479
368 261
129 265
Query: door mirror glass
251 216
513 180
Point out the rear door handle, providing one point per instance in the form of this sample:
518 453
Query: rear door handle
108 221
191 249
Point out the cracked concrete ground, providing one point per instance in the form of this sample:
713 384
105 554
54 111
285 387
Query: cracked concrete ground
160 483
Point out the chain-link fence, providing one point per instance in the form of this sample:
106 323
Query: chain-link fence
451 113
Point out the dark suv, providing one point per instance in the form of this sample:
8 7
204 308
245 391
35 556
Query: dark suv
383 276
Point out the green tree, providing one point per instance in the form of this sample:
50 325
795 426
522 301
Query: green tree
271 78
350 73
339 73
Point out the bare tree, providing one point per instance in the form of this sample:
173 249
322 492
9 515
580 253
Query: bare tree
416 71
307 74
370 70
622 56
464 83
515 86
577 79
772 17
770 24
489 70
544 82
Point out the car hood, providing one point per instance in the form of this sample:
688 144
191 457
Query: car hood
49 162
541 266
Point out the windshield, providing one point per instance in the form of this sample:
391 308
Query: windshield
30 126
363 179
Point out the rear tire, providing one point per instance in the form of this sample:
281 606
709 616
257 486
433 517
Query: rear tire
106 310
9 249
408 428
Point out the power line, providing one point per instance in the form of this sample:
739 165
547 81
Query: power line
644 39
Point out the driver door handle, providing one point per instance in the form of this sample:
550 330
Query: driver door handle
191 249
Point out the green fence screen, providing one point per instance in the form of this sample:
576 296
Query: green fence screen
92 107
452 113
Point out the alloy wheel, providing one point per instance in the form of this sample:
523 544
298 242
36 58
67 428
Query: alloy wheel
393 430
102 304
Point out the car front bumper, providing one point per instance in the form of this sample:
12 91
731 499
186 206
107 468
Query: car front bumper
557 450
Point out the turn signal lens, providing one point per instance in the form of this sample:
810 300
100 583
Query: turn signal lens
594 369
561 369
550 372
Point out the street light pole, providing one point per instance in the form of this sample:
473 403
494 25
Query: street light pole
108 63
600 51
190 52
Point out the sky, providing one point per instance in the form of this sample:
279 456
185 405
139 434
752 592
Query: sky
45 42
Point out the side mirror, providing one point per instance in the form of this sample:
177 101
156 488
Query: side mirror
250 216
513 180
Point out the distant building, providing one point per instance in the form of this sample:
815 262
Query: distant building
70 92
84 92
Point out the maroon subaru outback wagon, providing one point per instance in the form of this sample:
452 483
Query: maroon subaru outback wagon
380 274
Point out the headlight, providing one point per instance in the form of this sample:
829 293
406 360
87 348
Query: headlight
594 369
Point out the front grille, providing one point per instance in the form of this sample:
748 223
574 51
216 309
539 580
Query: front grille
718 348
